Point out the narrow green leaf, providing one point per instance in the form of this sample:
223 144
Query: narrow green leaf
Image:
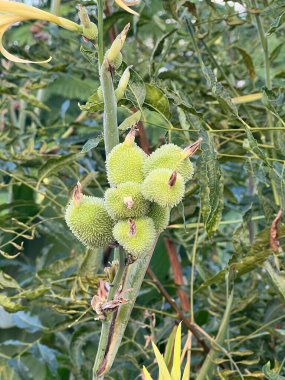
9 305
176 368
91 144
130 121
248 63
7 281
211 184
271 374
20 368
276 23
45 355
28 322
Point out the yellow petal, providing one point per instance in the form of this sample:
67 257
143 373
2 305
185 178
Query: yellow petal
175 372
17 12
123 5
163 371
146 374
5 22
29 12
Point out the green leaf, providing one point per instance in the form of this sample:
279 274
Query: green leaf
258 253
93 104
271 374
130 121
27 322
171 6
53 165
21 369
276 23
248 62
277 277
91 144
159 47
7 281
77 342
156 99
208 365
45 355
219 91
211 184
136 91
9 305
30 99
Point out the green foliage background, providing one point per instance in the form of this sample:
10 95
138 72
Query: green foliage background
190 58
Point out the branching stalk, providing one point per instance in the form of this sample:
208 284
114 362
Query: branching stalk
111 133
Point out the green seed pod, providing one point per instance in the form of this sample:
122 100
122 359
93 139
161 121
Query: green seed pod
123 84
117 61
100 93
116 47
136 236
160 216
164 187
126 201
125 162
90 32
172 157
88 220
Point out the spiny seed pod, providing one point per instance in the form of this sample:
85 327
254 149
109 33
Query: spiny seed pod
123 84
117 61
171 156
125 162
136 236
160 216
88 220
126 201
164 187
116 47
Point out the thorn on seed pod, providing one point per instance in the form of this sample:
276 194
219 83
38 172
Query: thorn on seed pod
133 228
128 202
172 179
77 194
130 138
191 149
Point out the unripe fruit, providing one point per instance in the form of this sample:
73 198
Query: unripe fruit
88 220
136 236
117 61
90 32
169 156
160 216
123 84
125 162
126 201
164 187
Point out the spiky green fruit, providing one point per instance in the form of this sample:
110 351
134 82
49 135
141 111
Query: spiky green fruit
125 162
160 216
169 156
164 187
88 220
136 236
126 201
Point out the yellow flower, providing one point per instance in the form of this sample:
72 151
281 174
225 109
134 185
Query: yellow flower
125 5
12 12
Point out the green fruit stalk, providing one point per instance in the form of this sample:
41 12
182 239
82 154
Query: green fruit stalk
126 201
136 236
164 187
88 220
125 162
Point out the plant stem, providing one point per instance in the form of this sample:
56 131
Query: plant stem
113 329
55 7
100 9
111 133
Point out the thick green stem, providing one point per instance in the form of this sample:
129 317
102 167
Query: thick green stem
55 7
100 5
114 328
111 132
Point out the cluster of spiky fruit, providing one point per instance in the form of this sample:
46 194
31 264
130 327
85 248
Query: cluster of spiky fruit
136 208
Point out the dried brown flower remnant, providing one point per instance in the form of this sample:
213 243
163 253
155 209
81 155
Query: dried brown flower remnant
274 243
